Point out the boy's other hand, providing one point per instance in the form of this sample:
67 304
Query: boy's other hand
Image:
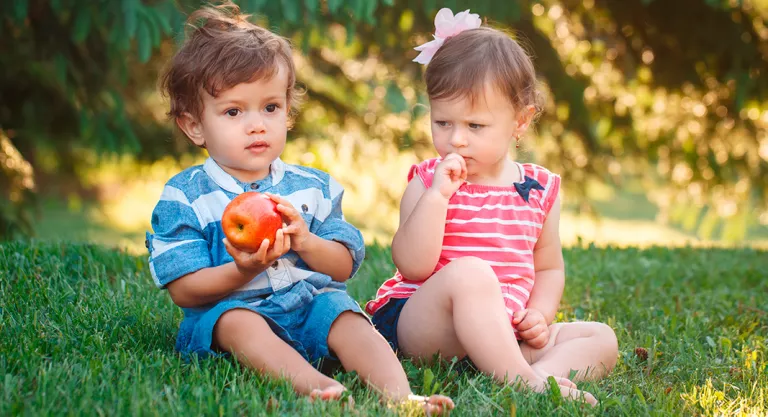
296 227
532 327
253 263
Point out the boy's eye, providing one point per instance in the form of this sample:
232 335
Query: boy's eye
232 112
271 108
475 126
442 123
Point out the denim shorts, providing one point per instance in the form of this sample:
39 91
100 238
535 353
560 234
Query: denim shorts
304 327
385 320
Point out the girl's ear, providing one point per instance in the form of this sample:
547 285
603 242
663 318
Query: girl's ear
524 118
192 128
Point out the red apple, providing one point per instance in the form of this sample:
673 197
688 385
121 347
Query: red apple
250 218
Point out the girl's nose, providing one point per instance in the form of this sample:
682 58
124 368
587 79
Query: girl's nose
457 139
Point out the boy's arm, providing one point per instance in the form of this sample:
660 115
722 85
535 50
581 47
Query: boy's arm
418 242
332 246
214 283
207 285
550 267
327 257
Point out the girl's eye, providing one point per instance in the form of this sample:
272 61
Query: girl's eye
271 108
232 112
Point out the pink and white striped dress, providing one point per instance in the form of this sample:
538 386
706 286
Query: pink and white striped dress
493 223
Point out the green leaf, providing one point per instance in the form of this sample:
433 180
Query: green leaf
333 5
350 28
162 20
429 378
388 2
60 69
144 41
369 11
311 6
149 21
56 6
554 390
395 99
291 10
82 25
360 7
20 10
429 8
252 6
130 18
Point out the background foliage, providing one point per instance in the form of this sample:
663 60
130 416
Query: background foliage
672 94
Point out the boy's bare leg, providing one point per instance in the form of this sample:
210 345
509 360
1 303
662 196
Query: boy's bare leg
589 348
361 348
460 311
247 335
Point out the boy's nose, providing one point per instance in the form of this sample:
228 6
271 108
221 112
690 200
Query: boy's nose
255 125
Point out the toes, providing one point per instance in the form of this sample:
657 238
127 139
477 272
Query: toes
327 394
441 401
565 382
433 405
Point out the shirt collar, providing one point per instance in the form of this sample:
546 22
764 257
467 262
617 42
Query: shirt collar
231 184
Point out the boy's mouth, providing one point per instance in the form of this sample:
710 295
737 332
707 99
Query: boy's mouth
258 146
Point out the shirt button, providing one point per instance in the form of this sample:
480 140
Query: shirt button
254 186
274 265
304 208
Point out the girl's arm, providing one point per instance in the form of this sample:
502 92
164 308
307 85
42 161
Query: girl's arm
417 244
550 267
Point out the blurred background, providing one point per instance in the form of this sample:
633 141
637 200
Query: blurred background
656 114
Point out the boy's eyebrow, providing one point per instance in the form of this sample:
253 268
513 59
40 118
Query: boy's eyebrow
222 101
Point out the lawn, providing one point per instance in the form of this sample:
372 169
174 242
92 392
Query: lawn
84 331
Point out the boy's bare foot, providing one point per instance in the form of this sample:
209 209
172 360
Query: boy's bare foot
330 393
434 405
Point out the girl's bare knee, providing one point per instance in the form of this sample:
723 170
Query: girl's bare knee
607 338
471 271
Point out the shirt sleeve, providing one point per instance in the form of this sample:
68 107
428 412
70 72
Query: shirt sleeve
551 190
425 170
178 246
335 227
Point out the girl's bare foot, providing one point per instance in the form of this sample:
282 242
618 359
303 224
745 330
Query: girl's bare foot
571 393
564 382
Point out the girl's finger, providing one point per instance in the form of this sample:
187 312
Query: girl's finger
518 316
463 165
531 333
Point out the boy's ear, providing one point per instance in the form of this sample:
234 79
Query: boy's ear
524 118
192 128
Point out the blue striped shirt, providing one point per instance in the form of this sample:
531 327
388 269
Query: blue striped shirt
188 236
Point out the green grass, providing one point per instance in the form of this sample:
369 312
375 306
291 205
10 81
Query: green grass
84 331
